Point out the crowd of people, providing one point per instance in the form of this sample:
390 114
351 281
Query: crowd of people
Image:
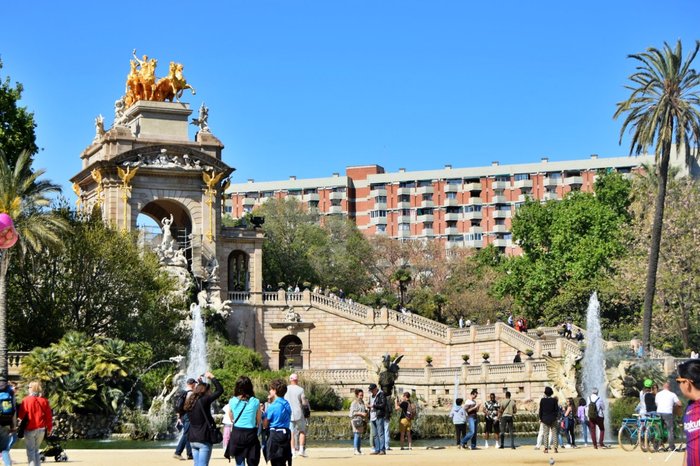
276 429
32 419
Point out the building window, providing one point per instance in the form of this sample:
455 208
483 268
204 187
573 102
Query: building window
238 277
451 195
502 178
425 183
381 228
427 197
406 212
380 199
407 184
428 226
377 213
521 176
290 353
404 227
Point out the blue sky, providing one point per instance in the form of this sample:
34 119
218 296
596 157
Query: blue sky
306 88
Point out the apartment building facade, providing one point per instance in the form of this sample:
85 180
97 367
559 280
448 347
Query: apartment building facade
461 207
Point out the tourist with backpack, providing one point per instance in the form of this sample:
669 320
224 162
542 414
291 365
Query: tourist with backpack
183 421
595 412
8 418
406 416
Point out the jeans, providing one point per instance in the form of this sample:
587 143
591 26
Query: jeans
668 421
6 452
184 442
378 425
507 426
32 440
201 452
386 433
471 435
584 432
357 441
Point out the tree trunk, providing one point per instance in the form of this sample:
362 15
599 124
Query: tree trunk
655 247
4 262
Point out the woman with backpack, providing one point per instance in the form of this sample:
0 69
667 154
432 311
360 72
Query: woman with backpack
198 405
36 413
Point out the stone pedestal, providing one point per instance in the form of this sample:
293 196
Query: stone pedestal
159 120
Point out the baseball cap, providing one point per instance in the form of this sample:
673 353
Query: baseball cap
293 377
648 383
191 381
372 386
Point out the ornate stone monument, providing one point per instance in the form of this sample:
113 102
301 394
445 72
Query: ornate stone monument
146 163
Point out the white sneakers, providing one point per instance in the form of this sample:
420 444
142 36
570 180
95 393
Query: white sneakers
486 443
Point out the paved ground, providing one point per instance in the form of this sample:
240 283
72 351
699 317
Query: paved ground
418 457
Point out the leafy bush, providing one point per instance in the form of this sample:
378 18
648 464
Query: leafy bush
620 409
321 397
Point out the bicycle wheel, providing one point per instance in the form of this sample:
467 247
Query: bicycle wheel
627 438
653 439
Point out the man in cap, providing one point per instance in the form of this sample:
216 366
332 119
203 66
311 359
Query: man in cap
183 419
377 412
297 400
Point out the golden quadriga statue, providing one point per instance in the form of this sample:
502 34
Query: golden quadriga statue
141 82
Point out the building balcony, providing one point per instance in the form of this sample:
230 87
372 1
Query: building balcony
500 185
453 217
520 184
523 197
380 232
403 191
450 202
425 190
377 220
474 201
550 197
453 244
335 209
473 215
379 206
249 201
501 243
427 204
377 192
547 181
403 219
424 218
573 180
498 200
451 188
500 229
475 230
311 197
474 243
403 205
452 231
501 214
403 234
336 195
427 233
471 187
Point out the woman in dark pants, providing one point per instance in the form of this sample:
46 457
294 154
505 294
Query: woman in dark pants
549 413
244 444
199 406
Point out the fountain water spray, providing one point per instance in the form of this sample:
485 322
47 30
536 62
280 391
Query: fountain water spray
594 359
197 357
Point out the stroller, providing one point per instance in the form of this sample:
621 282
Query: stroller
54 449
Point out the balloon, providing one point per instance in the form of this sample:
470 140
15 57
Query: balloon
8 234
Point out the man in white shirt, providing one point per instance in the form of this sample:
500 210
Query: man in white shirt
665 402
297 400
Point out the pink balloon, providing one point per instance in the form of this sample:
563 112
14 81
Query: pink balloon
8 234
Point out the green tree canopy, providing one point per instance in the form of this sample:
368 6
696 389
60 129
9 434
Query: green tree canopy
16 123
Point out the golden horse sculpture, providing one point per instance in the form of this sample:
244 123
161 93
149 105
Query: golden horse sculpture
141 83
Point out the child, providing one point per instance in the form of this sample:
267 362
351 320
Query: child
459 419
277 418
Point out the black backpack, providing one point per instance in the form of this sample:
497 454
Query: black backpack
180 403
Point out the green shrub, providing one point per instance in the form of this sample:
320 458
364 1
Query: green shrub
620 409
321 397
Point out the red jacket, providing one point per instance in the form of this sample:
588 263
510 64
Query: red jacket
38 412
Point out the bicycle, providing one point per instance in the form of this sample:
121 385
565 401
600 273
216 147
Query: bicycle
656 435
631 433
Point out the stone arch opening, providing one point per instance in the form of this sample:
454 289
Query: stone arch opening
238 274
149 223
290 353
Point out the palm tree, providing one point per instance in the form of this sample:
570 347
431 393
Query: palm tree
25 198
663 109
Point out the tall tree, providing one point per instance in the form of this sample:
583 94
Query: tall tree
663 109
16 123
25 198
